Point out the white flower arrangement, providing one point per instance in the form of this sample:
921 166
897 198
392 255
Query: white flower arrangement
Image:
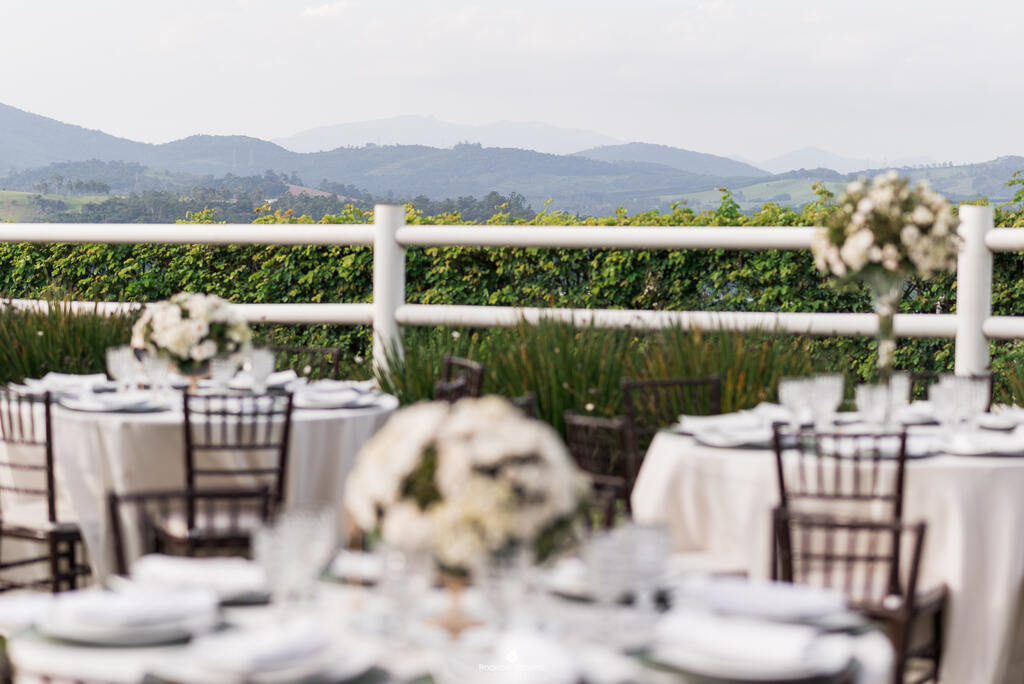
191 329
888 230
465 480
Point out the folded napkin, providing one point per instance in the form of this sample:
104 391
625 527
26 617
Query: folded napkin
65 382
915 413
753 642
569 577
227 577
277 379
289 644
22 610
324 399
135 609
761 599
982 443
328 385
358 566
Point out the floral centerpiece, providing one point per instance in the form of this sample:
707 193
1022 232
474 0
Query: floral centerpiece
882 233
191 329
466 481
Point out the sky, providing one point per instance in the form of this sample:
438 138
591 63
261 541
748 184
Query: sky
885 79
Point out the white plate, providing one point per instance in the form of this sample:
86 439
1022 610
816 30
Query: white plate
132 635
831 655
131 402
760 437
778 601
984 443
347 398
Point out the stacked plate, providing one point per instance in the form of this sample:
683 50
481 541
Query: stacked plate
141 618
122 402
234 580
331 394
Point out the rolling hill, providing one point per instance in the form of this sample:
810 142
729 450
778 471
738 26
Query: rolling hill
674 157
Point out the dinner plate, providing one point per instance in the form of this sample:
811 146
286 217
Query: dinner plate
172 631
984 443
830 660
760 437
111 403
348 398
776 601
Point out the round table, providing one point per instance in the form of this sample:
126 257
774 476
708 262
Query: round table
99 452
719 501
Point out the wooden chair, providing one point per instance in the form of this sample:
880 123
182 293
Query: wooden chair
857 477
858 557
246 437
459 378
597 445
649 405
315 363
28 496
186 522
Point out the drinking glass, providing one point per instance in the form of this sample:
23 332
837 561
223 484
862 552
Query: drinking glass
158 371
607 557
121 366
826 394
294 552
222 369
899 390
872 403
650 552
793 394
261 365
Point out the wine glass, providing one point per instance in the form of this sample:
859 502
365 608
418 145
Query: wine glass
793 394
826 393
222 369
294 552
261 365
157 369
121 366
872 403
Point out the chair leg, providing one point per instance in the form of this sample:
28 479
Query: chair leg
53 544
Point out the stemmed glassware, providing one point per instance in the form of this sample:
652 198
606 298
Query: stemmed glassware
157 369
261 365
826 394
794 394
122 366
222 369
294 552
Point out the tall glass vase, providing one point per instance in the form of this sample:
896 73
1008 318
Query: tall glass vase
886 290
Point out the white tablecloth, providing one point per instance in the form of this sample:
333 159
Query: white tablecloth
99 452
719 500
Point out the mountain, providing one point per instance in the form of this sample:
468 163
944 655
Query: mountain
29 140
429 132
674 157
812 158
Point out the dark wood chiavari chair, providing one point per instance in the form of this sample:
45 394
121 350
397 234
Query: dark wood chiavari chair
315 363
597 445
650 405
186 522
859 477
28 495
459 378
858 558
246 436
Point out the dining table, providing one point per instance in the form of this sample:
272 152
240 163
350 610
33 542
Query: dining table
101 451
716 497
350 632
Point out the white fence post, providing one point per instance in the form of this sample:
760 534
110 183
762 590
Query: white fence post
388 282
973 290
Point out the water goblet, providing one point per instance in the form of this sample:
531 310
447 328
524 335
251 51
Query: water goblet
157 370
121 366
222 369
294 552
872 403
826 393
793 394
944 400
261 365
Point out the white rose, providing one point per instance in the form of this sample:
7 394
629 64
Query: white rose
922 216
204 351
855 250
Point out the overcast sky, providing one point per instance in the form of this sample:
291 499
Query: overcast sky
878 78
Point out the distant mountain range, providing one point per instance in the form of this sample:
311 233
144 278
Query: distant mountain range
814 158
597 180
429 132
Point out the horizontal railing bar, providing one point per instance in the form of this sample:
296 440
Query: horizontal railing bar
190 233
1005 240
818 324
609 237
307 313
1003 327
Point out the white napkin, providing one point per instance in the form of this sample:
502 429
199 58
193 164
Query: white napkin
276 647
980 443
277 379
226 576
569 577
65 382
136 609
328 385
339 398
762 599
358 566
754 642
915 413
22 610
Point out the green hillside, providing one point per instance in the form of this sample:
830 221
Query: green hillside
27 207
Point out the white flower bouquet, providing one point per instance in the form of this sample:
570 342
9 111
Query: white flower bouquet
191 329
888 229
465 481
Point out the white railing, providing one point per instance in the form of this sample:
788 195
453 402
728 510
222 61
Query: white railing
972 326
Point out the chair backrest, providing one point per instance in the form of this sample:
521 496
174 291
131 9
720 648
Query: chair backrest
649 405
222 521
526 403
855 556
845 473
597 445
455 367
315 363
237 440
26 465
